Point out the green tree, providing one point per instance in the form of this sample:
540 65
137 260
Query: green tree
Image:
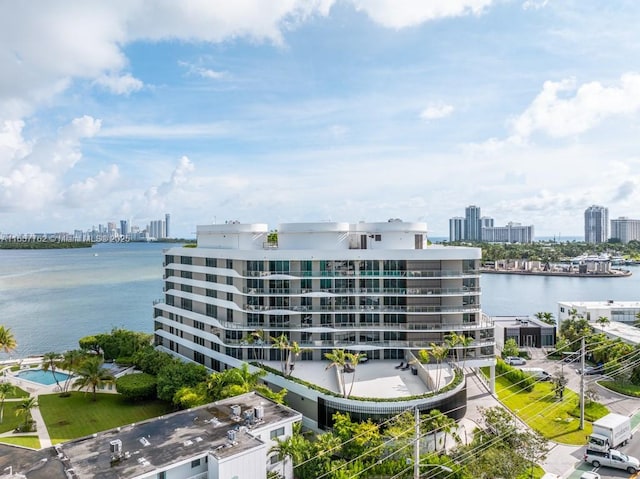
5 390
176 375
603 321
7 341
281 343
91 375
292 448
510 348
353 359
439 354
545 317
71 361
49 362
24 409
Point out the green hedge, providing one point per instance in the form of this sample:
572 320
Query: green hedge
136 387
517 377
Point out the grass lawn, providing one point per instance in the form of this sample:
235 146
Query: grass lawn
621 387
17 393
78 416
542 412
10 421
25 441
538 472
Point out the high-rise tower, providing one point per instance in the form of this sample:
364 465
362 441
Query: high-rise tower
472 224
596 224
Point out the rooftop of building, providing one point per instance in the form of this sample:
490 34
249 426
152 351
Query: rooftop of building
617 330
519 321
155 444
371 379
602 304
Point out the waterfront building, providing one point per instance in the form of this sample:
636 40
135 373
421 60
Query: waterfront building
372 288
472 224
167 225
623 331
615 311
625 229
528 332
511 233
228 438
486 222
456 229
596 224
124 227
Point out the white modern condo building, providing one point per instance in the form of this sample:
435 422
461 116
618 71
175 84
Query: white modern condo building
376 288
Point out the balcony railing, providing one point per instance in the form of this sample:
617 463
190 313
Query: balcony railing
435 273
360 291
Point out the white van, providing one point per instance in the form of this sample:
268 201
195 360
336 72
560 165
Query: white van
538 373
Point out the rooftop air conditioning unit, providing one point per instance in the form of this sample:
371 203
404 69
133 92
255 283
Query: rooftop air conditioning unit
236 410
259 412
231 435
115 446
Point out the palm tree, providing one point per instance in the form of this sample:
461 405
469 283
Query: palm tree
439 353
289 448
24 408
465 342
603 321
353 359
453 339
338 360
49 361
5 390
71 360
240 380
294 352
282 344
92 375
7 341
256 340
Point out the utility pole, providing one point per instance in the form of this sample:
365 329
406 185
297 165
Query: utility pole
582 384
416 447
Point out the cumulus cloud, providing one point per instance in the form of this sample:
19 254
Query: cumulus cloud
197 70
406 13
157 197
625 190
563 109
534 4
436 111
119 84
91 189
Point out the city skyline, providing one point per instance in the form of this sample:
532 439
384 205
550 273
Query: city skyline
317 111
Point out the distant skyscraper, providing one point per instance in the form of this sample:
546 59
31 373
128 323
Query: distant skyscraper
596 224
625 229
486 222
167 219
456 229
472 226
124 227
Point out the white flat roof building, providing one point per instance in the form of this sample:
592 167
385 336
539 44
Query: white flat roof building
376 288
620 311
615 330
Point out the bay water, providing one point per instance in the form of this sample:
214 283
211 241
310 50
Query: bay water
52 298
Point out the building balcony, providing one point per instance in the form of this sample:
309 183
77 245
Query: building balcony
436 273
364 291
363 309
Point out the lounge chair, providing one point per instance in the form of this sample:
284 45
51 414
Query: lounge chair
400 366
405 367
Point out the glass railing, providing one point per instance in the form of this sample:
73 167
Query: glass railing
436 273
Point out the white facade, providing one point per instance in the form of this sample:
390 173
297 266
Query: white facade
625 229
456 229
512 233
619 311
372 287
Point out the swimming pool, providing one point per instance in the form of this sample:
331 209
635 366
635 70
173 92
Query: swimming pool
41 376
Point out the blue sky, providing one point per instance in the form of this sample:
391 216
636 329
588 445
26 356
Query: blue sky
342 110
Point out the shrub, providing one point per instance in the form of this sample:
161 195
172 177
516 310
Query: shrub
517 377
135 387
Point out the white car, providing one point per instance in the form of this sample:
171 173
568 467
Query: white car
514 361
590 475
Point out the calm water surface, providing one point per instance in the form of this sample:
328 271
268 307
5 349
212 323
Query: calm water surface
51 298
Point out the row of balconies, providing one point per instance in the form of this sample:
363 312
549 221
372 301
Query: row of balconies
435 273
368 309
350 291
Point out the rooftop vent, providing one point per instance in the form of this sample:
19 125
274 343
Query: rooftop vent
259 412
231 436
115 446
236 410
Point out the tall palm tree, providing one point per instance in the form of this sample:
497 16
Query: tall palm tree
353 359
439 353
49 362
5 390
290 448
92 375
465 342
453 339
256 339
7 341
603 321
24 408
282 344
70 361
338 360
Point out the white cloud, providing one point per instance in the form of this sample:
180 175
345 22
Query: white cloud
91 189
534 4
562 109
407 13
436 111
189 130
119 84
203 72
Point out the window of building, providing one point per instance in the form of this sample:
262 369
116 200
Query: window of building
230 315
277 433
230 280
229 296
211 293
186 274
210 262
195 463
211 278
211 310
186 304
274 459
185 260
187 288
229 264
378 238
162 475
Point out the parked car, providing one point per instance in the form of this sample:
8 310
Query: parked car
590 475
515 361
589 370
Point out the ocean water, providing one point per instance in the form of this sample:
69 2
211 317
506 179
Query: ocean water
52 298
